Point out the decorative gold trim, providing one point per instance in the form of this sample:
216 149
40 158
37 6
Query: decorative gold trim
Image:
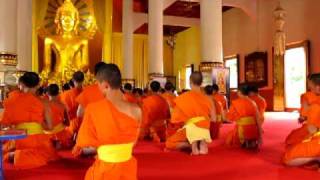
208 66
9 59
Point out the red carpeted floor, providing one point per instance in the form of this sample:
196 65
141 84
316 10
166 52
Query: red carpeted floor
221 163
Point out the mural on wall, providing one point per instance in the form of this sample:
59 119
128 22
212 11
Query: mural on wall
256 69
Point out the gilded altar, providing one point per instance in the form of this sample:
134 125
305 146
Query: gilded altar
66 31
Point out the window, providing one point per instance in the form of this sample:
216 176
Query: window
188 72
232 62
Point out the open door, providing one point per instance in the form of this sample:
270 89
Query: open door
296 61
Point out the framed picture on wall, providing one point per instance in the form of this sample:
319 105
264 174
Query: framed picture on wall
232 62
256 69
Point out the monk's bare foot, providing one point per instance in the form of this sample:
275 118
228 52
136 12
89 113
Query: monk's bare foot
203 147
195 148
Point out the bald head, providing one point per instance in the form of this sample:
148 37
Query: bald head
196 78
111 74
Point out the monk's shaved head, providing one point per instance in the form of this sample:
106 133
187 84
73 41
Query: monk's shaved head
98 66
30 79
315 79
196 78
111 74
208 90
78 77
53 90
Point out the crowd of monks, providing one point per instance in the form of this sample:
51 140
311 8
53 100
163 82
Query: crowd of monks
106 120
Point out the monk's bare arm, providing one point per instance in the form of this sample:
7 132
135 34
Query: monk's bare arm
47 116
80 111
258 121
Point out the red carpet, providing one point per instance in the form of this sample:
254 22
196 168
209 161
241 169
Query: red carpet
221 163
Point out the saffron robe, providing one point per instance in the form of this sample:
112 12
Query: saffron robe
261 103
89 95
241 109
189 105
309 147
155 114
35 150
221 99
103 124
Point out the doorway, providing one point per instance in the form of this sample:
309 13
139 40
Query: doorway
295 74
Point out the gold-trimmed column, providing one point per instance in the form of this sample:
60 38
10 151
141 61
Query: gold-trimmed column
107 35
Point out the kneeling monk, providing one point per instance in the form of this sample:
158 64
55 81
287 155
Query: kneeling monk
194 111
28 112
155 114
111 126
244 112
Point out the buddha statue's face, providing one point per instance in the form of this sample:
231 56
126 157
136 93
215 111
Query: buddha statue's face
67 21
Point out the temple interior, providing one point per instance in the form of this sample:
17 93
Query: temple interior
269 48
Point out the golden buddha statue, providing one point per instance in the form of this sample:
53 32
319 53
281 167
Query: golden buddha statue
70 50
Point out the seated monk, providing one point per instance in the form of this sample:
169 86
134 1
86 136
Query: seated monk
221 99
307 99
169 94
308 150
253 93
28 112
69 100
194 111
214 126
111 126
89 94
155 113
60 119
127 88
244 112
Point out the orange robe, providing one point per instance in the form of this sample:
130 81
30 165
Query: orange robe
297 135
221 99
58 111
240 109
261 103
103 124
189 105
130 98
308 147
215 126
170 99
69 100
35 150
155 113
89 95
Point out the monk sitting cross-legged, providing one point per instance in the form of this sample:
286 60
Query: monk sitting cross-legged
89 94
215 126
155 114
60 119
194 111
221 99
28 112
307 99
111 126
244 112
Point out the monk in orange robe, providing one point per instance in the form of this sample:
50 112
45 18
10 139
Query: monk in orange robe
89 94
244 112
110 126
69 99
215 126
127 93
307 150
138 94
194 111
28 112
60 120
155 113
169 94
221 99
307 99
253 92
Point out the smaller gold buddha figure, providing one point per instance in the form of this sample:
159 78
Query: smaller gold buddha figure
66 50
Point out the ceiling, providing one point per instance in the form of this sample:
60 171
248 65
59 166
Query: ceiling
179 8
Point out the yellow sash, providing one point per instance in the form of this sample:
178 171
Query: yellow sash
58 128
31 128
115 153
243 122
195 133
317 134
